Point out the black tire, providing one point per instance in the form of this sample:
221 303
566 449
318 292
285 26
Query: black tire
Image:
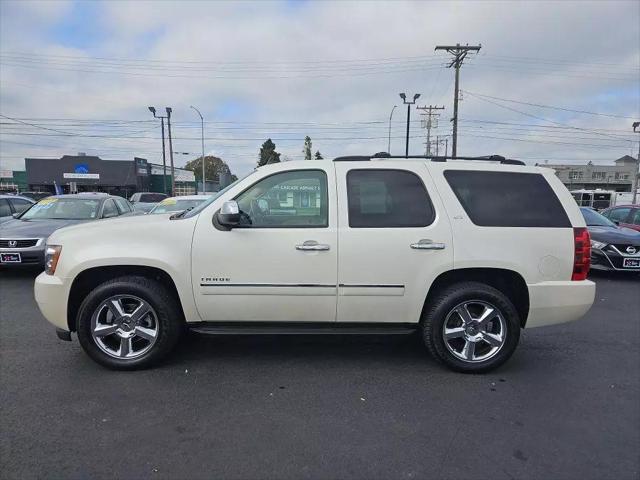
165 306
444 302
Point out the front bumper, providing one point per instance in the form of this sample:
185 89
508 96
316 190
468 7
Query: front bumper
51 295
29 255
559 302
611 259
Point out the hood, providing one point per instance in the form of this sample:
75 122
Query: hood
40 228
619 235
128 223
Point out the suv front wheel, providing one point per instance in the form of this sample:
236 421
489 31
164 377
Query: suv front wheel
471 327
128 323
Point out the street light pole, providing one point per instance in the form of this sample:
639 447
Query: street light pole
408 104
390 117
173 178
634 184
202 131
164 156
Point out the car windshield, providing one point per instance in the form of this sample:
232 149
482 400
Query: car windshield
176 205
63 209
213 197
594 219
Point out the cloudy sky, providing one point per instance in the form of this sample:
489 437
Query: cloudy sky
554 81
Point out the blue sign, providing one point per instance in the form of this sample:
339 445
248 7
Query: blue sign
81 168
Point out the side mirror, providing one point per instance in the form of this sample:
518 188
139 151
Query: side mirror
229 214
617 222
16 215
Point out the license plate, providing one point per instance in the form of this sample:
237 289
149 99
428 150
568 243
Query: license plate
631 263
10 258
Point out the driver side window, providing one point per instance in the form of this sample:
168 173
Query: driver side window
295 199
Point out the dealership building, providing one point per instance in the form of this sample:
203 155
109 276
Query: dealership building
85 173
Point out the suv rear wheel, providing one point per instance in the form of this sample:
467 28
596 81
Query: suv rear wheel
128 323
471 327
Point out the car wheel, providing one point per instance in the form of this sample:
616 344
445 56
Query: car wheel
471 327
129 323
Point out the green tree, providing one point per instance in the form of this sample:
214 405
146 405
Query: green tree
268 153
307 148
319 155
213 166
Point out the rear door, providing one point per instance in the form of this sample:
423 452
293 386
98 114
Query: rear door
394 240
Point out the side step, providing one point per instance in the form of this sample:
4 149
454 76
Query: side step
295 328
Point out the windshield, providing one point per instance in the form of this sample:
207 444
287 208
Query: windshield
63 209
212 198
594 219
176 205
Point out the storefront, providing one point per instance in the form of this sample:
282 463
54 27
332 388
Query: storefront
85 173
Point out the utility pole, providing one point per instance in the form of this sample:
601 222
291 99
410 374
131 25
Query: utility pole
164 156
202 136
173 177
634 184
429 123
408 104
390 117
459 53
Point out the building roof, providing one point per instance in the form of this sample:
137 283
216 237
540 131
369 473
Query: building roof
626 159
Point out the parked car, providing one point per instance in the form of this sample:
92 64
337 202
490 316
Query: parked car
13 204
23 239
145 201
450 249
624 215
35 196
178 204
613 247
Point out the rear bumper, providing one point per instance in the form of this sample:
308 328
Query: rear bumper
51 296
559 302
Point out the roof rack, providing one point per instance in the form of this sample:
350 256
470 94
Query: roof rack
385 155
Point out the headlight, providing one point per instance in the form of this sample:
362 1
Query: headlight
51 256
598 245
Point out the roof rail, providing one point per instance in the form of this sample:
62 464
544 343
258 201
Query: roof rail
385 155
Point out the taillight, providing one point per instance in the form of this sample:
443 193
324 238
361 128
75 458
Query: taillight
582 253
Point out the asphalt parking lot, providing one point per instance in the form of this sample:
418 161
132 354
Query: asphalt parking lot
567 405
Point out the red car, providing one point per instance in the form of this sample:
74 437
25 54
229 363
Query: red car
624 215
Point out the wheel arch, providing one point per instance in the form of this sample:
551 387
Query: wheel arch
509 282
90 278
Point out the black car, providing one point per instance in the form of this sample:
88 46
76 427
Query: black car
23 239
612 247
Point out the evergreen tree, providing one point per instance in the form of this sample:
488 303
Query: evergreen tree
268 153
307 148
319 155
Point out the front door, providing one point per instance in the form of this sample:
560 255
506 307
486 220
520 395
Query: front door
281 264
395 239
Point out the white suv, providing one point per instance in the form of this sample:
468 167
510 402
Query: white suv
467 253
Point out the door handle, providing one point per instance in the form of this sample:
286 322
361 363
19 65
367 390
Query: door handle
313 246
426 244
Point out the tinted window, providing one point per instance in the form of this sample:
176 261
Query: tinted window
152 197
618 214
286 200
5 209
123 205
507 199
109 209
387 198
20 205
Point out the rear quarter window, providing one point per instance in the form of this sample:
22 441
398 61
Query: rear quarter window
507 199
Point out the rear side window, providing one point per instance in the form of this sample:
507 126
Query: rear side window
507 199
386 199
123 205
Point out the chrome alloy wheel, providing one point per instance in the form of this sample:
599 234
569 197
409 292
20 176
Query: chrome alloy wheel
124 327
474 331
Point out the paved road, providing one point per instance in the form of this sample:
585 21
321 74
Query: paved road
567 405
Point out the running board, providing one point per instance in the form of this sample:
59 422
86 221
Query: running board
288 328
